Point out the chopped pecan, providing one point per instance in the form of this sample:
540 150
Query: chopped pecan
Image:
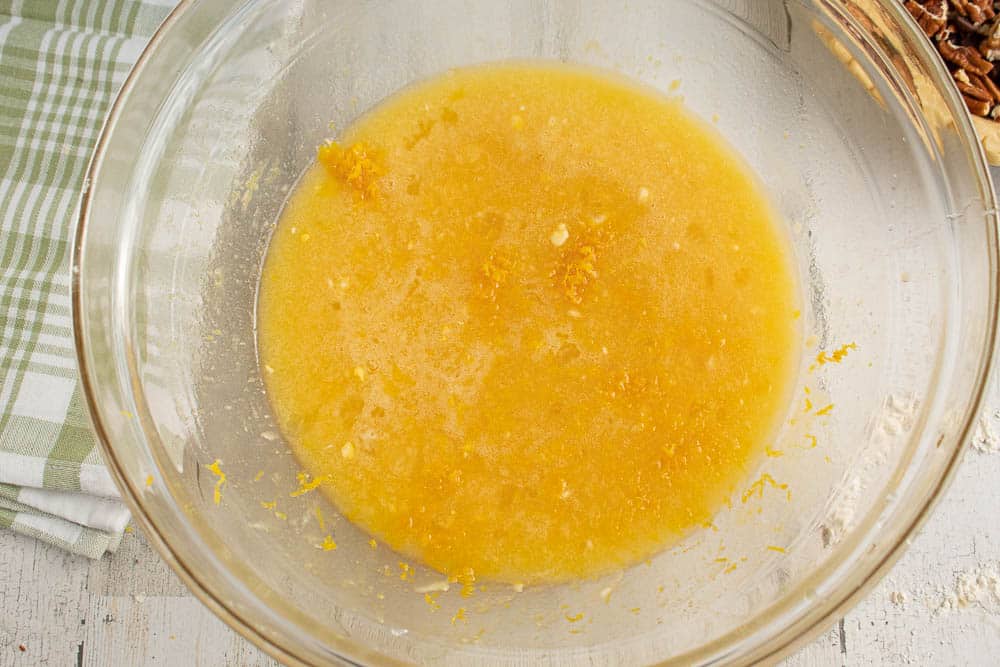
978 107
967 36
988 8
965 25
975 86
977 11
965 57
975 92
932 15
986 83
990 47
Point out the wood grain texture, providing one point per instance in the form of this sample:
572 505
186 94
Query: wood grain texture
130 609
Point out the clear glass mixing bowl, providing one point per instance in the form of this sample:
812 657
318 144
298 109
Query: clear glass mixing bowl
844 111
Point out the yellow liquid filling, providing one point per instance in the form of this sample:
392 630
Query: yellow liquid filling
528 322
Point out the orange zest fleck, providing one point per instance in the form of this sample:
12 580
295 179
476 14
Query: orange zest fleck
220 480
825 411
574 618
467 578
757 488
305 484
459 615
495 270
578 267
836 356
328 544
358 166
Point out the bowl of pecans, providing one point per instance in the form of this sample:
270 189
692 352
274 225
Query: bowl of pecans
966 34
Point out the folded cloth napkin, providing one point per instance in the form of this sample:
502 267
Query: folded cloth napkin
61 64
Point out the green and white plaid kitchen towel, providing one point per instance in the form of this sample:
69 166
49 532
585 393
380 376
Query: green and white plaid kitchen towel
61 64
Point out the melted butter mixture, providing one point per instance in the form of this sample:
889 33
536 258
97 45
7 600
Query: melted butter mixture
528 323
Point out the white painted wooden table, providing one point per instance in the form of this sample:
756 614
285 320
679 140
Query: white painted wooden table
129 609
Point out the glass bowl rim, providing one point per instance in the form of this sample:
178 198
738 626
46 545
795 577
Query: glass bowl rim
776 642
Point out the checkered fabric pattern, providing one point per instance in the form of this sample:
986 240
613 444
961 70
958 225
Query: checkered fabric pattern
61 63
